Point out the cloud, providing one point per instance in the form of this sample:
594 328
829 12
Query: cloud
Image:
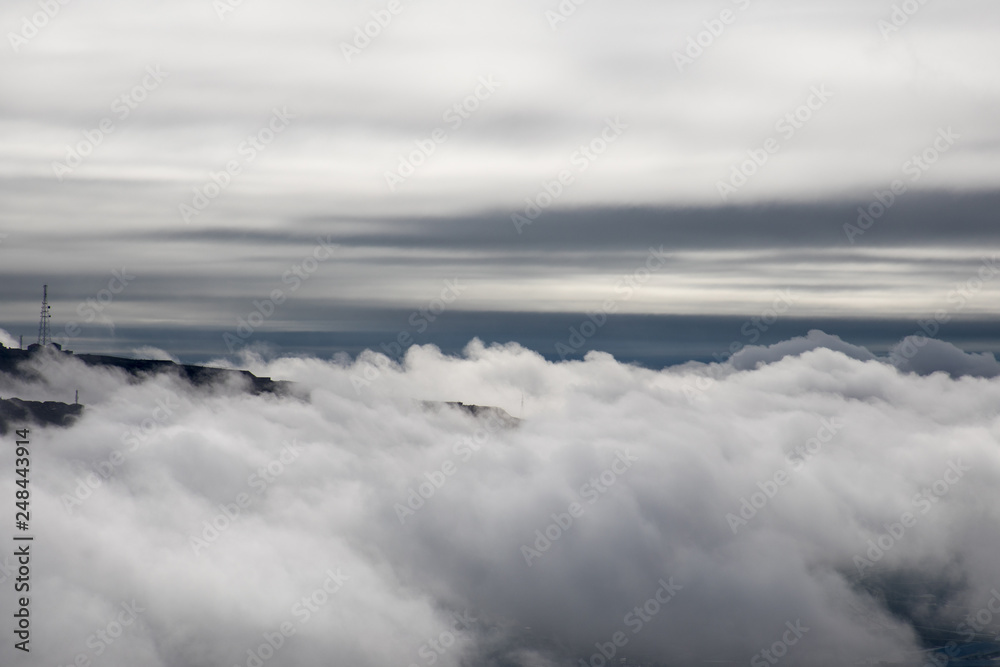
913 354
7 340
193 121
823 497
927 355
750 356
149 352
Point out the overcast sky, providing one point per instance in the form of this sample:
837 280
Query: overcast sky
785 190
114 117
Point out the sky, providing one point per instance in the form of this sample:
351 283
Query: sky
671 161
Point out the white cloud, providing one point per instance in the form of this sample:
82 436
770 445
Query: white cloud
148 352
188 455
7 340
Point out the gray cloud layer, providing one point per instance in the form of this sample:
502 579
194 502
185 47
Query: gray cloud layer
262 102
933 252
750 499
891 93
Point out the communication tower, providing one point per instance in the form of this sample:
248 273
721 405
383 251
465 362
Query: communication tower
43 324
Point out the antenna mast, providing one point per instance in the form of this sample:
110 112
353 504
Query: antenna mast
43 324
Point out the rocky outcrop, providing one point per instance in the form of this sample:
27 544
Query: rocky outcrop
15 413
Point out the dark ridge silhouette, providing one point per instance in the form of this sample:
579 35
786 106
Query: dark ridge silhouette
15 413
11 363
52 413
485 411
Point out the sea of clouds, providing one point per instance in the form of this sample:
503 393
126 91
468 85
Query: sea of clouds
806 503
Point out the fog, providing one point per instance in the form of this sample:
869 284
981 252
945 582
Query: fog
810 500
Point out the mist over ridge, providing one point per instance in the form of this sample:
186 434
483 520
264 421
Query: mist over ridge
812 489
